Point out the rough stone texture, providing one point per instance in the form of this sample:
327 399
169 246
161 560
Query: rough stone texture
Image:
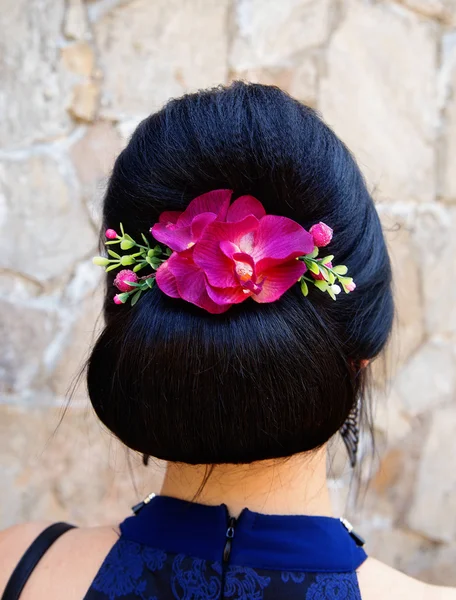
50 471
76 80
170 46
435 492
31 73
31 190
270 34
381 69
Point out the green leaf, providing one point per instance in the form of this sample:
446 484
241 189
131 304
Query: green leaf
151 253
122 229
312 266
327 259
158 249
145 240
345 280
136 297
150 281
340 269
168 251
112 267
322 285
139 266
331 293
111 242
113 254
134 284
127 260
304 287
127 244
331 278
314 253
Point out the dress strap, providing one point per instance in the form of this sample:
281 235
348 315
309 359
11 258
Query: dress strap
31 558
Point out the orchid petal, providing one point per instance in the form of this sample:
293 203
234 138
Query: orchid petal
228 248
199 224
218 267
243 207
191 284
216 202
169 216
279 239
166 281
278 280
228 295
176 238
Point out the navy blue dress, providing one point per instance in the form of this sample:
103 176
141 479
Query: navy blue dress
176 550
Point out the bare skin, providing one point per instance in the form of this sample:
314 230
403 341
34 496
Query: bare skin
294 486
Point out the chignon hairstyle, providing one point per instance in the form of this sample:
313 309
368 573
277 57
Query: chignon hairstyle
261 380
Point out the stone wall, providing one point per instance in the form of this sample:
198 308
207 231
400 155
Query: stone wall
75 79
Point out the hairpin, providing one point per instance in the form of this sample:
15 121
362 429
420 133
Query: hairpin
216 253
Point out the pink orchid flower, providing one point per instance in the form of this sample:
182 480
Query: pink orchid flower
246 254
180 230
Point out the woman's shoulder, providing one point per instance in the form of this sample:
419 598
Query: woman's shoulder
378 581
76 557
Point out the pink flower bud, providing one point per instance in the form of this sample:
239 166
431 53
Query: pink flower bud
319 276
122 279
111 234
350 286
321 233
117 300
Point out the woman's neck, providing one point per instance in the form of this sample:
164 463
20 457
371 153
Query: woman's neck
296 485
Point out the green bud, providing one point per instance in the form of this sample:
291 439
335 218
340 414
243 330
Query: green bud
139 266
127 244
314 253
100 261
327 259
127 260
313 267
304 287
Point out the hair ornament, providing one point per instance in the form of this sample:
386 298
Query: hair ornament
216 253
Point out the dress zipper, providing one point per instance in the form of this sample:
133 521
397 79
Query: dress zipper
229 539
229 535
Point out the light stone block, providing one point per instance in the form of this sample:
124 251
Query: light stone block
379 94
44 227
168 48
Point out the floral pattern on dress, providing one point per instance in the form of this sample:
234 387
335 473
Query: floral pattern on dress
293 576
194 579
334 586
120 571
132 571
244 583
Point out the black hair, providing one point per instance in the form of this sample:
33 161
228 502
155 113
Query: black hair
261 380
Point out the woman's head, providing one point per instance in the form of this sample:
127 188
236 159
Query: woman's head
261 380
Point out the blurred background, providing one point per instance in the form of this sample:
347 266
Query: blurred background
75 79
